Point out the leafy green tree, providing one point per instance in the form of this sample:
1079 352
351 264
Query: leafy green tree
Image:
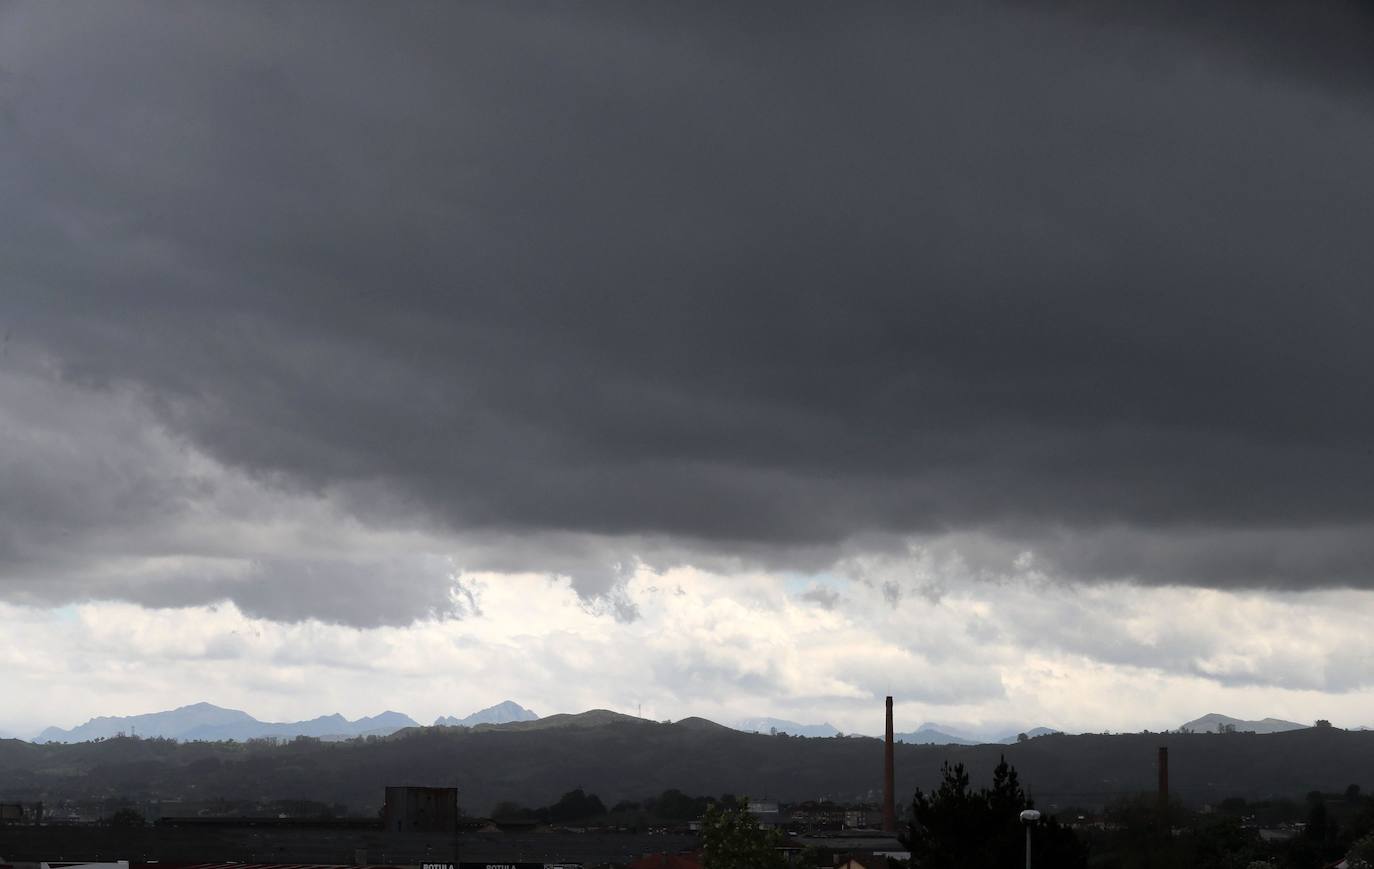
1361 853
1221 843
576 805
733 839
1139 838
1319 827
674 805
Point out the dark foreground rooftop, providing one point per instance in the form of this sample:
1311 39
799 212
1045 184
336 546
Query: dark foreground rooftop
340 844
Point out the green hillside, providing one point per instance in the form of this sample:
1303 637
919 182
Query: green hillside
618 757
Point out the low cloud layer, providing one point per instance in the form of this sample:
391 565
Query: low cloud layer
315 310
987 658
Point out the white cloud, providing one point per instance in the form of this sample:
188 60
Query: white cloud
141 574
987 657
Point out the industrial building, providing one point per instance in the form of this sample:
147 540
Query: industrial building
411 809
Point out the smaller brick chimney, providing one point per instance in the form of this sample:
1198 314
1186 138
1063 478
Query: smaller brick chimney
889 784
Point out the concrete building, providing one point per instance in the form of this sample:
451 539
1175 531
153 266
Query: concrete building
856 819
420 810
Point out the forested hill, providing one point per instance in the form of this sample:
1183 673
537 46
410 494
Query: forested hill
618 757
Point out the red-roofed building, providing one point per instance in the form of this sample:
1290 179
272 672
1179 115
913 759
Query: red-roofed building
667 861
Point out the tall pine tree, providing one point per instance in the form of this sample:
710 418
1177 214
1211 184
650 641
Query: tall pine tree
956 827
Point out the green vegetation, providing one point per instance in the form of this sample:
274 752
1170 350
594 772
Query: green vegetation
126 819
670 807
574 806
1361 853
1138 837
621 761
1319 831
957 827
733 839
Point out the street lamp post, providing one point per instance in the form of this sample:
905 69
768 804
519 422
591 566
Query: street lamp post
1029 817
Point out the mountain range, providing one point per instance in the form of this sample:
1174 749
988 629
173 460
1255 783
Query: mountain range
622 757
210 723
926 734
207 722
937 734
930 734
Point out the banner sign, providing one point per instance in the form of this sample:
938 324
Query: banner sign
500 866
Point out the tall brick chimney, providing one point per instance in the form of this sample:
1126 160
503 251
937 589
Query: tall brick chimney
889 785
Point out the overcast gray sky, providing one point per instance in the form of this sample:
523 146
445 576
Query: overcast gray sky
557 335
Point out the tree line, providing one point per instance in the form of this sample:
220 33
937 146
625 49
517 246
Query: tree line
959 826
578 806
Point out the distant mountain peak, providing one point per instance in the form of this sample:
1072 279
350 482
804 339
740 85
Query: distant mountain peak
1031 733
505 712
782 725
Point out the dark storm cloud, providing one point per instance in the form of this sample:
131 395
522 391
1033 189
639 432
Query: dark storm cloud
762 283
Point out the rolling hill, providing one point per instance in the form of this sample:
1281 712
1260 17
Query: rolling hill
622 757
1212 722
